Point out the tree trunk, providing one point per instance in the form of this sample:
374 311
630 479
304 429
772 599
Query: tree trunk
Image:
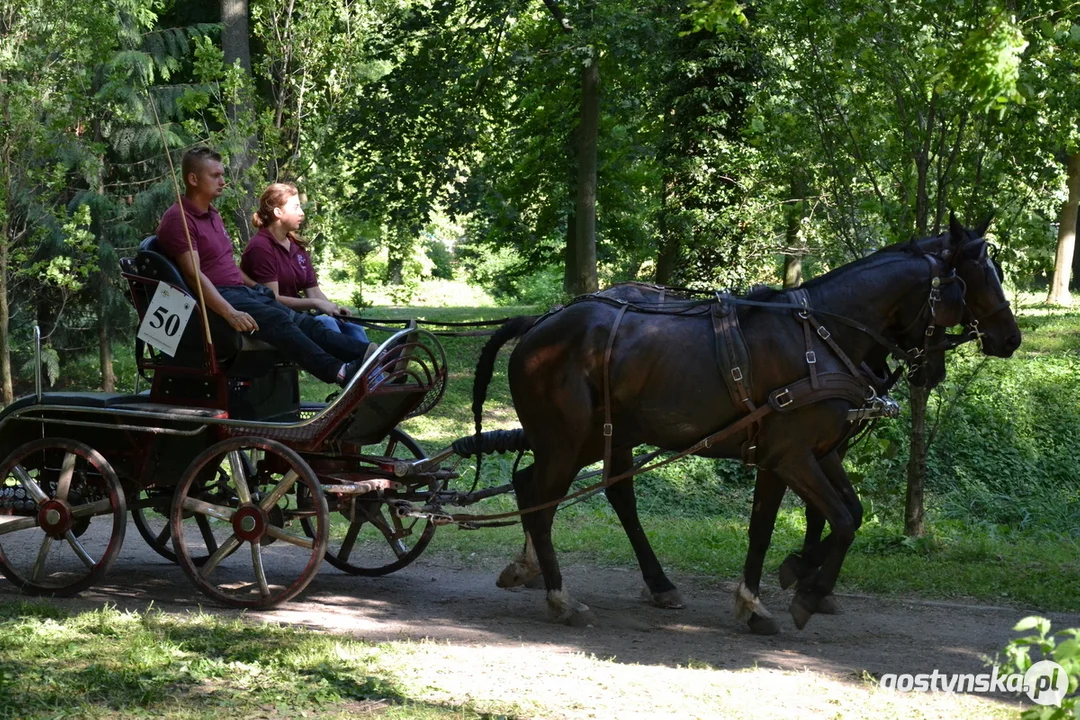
792 271
1066 245
8 390
792 261
667 259
570 272
235 46
668 256
5 319
399 248
588 131
108 375
916 469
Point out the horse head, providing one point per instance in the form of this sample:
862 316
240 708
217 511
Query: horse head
987 315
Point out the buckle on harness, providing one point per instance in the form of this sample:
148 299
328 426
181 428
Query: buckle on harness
824 332
780 403
736 374
811 357
607 429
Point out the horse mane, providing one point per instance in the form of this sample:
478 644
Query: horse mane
764 293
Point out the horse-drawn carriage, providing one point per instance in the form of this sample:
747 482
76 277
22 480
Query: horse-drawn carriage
780 379
222 467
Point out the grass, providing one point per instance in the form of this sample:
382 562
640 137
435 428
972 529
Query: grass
105 663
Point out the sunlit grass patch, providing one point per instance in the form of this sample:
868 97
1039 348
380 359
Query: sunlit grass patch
107 663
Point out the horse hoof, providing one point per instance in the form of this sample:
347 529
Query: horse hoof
536 582
790 571
829 605
801 611
763 625
669 600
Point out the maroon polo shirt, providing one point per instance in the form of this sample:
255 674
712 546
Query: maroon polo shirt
208 238
265 260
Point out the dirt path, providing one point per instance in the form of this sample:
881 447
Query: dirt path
495 645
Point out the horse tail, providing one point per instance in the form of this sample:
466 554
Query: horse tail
485 368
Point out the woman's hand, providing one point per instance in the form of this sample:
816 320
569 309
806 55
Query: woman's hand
326 307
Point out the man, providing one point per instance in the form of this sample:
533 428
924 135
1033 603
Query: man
331 357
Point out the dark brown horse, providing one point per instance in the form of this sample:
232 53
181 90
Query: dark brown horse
666 391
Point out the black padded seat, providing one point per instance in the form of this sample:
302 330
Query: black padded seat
242 355
75 399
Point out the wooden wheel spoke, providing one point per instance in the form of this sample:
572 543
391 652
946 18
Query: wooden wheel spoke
207 533
220 554
260 574
73 541
279 490
379 520
279 534
164 535
42 556
14 524
97 507
204 509
63 485
239 476
350 540
29 484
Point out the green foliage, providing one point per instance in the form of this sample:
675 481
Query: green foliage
714 15
105 663
1020 654
987 67
995 456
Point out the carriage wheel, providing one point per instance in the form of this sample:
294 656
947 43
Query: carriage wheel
238 506
62 517
366 537
152 512
151 515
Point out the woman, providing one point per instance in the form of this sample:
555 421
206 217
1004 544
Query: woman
277 258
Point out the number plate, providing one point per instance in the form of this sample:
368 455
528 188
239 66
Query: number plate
165 319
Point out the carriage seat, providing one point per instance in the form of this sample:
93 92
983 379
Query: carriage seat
239 353
74 399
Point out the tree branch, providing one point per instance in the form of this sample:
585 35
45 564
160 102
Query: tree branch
557 13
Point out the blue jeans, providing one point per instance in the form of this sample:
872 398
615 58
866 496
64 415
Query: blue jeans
297 336
344 327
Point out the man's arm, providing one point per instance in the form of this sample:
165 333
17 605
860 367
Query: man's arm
189 267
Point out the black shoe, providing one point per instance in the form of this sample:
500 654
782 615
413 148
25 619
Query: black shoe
353 367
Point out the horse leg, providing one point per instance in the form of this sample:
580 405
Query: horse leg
622 499
806 475
768 492
814 553
548 480
797 566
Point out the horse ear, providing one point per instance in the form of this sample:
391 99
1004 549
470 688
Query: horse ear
957 238
981 228
957 232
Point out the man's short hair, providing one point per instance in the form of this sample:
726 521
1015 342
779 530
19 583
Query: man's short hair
195 157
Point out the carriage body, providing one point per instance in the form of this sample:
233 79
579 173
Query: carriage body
219 453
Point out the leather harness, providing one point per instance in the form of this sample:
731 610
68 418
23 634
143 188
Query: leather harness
734 364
